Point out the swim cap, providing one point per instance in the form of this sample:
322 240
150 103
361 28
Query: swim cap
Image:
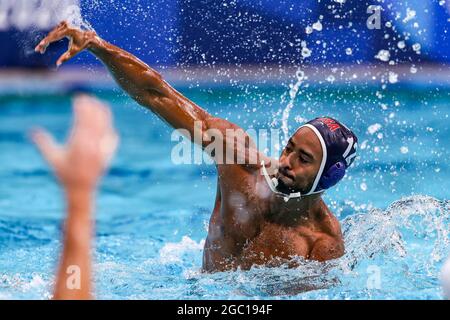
339 151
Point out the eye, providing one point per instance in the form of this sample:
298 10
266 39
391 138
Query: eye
304 159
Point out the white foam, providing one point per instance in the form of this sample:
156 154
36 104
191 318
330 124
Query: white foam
35 283
173 252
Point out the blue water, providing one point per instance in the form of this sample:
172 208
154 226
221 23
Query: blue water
152 215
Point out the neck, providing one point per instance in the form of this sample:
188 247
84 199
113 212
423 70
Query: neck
294 211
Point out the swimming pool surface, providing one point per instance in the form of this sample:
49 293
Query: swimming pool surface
152 215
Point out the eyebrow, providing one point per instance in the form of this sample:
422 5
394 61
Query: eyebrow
291 142
309 155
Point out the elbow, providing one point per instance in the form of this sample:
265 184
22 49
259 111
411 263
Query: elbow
153 78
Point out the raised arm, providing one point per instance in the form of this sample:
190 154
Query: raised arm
147 87
142 83
79 166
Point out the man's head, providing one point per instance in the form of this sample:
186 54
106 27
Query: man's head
316 156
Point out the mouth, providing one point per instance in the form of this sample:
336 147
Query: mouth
285 177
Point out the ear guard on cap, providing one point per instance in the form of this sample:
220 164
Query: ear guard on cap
333 175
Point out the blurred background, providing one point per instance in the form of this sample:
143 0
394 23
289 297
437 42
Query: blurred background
381 65
253 40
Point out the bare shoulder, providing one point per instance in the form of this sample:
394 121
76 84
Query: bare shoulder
327 221
330 243
238 147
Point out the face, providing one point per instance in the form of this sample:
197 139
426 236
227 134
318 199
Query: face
300 162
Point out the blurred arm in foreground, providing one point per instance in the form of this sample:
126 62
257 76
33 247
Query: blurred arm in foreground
79 166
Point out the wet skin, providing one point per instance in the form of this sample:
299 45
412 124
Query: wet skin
249 224
252 225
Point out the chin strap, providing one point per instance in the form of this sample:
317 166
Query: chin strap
273 183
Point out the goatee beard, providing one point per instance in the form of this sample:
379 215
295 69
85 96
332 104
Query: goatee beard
284 188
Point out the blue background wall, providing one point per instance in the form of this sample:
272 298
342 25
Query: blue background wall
184 32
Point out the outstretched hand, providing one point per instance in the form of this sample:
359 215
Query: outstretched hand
92 143
78 40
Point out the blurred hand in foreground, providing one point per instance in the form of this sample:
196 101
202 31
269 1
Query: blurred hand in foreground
89 149
79 165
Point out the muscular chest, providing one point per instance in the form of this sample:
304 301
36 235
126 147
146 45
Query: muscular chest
277 243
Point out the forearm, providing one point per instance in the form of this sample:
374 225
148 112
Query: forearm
74 274
141 82
132 74
146 86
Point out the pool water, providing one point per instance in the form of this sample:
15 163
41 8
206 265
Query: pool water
152 215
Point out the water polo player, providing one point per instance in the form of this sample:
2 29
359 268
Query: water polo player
260 215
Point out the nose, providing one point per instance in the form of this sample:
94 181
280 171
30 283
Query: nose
285 165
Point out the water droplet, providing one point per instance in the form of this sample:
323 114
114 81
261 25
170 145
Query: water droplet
393 77
317 26
374 128
383 55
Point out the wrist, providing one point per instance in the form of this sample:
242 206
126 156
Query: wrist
79 200
79 190
94 42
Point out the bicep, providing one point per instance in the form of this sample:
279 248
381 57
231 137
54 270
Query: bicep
226 142
176 110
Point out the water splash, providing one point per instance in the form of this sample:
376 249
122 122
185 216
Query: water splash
445 279
407 242
398 229
173 252
53 15
293 92
20 287
72 14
